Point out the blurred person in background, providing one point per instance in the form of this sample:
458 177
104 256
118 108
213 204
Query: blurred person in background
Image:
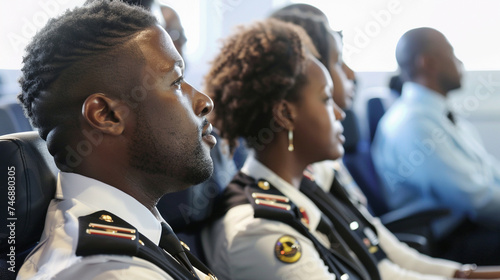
425 154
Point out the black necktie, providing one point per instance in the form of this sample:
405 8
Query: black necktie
170 243
450 116
341 230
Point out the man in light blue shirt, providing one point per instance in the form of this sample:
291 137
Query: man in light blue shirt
425 155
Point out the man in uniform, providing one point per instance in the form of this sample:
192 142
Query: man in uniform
104 85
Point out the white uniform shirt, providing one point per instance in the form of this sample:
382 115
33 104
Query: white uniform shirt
76 196
239 246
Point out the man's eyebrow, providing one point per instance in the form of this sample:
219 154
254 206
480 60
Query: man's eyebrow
168 68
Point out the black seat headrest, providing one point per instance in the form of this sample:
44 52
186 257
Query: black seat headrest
28 175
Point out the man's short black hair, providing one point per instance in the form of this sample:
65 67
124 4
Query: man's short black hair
68 49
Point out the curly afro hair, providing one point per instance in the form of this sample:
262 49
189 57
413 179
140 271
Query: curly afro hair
314 22
67 50
257 67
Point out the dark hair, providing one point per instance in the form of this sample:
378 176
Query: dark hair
315 24
69 50
396 84
306 9
146 4
257 67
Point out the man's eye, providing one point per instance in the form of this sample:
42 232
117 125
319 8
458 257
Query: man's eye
178 82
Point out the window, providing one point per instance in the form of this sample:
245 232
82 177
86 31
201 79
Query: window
19 22
372 29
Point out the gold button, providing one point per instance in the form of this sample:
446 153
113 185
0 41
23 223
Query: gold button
263 185
106 218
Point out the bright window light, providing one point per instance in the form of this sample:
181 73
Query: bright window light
190 14
372 29
20 20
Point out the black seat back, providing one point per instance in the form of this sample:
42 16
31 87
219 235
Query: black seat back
28 176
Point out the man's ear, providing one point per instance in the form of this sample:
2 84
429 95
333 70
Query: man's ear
284 114
105 114
425 63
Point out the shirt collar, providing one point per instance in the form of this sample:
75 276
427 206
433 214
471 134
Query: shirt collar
257 170
98 196
433 100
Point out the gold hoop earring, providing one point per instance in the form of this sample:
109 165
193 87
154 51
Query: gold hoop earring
290 140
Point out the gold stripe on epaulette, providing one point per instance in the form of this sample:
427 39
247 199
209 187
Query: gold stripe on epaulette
112 228
273 197
273 204
111 233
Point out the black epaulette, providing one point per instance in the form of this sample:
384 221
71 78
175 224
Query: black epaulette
269 203
103 233
265 199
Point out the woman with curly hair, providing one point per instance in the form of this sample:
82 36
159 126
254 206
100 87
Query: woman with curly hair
271 90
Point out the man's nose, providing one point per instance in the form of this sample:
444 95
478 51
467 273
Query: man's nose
202 104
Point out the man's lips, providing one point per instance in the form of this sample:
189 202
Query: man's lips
207 136
207 128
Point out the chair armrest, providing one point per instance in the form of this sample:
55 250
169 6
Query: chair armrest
418 242
412 225
413 215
